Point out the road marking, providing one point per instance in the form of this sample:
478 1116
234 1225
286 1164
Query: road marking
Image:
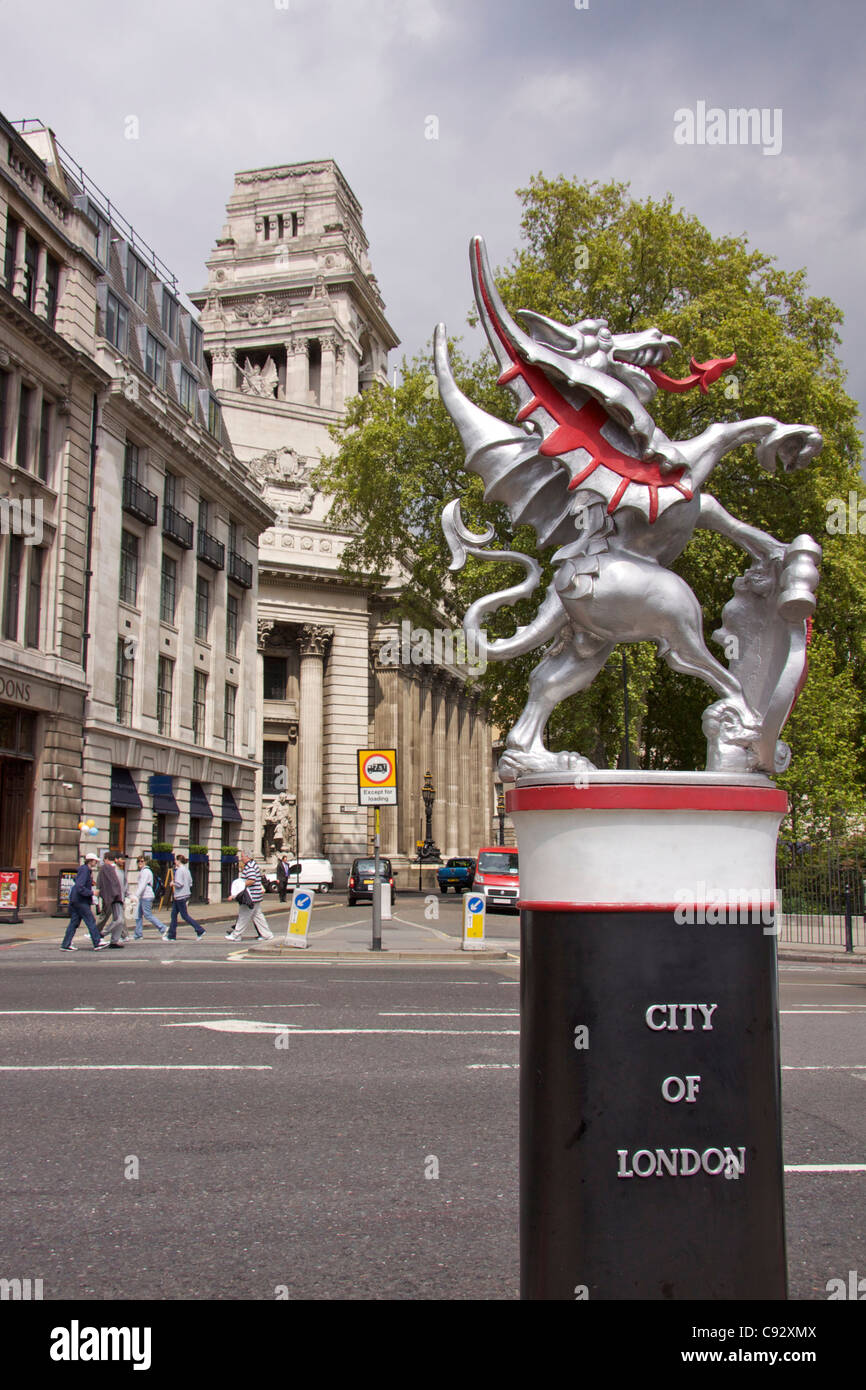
843 1066
838 1009
133 1066
481 1013
493 1066
239 1025
825 1167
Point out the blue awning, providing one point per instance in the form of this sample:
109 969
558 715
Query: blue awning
199 806
160 788
123 791
230 810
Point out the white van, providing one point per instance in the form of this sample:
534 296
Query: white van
304 873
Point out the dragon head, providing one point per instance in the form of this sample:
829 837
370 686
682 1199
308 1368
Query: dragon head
619 370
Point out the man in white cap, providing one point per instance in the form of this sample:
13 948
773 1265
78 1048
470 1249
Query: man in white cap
81 907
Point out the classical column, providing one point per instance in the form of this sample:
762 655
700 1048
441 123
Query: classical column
19 272
440 759
312 643
452 757
340 377
464 744
41 302
225 368
297 369
328 344
386 735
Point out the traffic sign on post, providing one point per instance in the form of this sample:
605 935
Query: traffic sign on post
299 918
377 777
473 922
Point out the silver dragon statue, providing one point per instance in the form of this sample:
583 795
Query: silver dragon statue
587 467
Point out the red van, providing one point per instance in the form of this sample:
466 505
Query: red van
496 876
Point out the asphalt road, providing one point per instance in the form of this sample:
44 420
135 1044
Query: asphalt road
187 1123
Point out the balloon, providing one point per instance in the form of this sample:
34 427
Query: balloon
94 830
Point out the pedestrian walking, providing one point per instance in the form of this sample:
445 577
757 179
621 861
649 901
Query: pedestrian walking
283 876
182 894
144 898
110 889
252 877
81 907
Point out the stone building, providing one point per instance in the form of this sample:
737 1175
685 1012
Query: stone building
50 385
294 324
158 603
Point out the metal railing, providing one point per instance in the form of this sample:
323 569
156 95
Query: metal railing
177 527
211 551
240 570
821 894
140 502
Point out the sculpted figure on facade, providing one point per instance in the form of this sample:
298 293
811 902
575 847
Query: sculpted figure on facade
587 467
260 381
279 825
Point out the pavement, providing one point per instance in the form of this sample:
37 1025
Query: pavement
338 932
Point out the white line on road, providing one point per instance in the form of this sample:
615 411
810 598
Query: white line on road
825 1167
239 1025
133 1066
480 1013
493 1066
843 1066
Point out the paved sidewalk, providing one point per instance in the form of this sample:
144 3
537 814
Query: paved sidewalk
400 940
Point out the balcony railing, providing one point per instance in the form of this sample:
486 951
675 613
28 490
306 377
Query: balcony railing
177 527
211 551
139 502
240 570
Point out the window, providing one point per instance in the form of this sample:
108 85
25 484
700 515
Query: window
187 391
34 598
203 511
117 323
52 288
168 589
231 625
154 360
164 680
123 681
128 567
294 224
229 718
45 432
274 767
5 387
233 537
103 232
195 343
266 228
169 314
202 608
213 416
136 279
275 674
13 588
281 226
170 490
31 265
12 230
25 408
130 461
199 706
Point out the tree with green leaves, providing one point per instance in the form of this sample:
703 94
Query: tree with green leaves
592 250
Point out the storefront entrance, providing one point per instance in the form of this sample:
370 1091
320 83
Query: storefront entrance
16 795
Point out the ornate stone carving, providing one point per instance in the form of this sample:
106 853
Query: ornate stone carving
261 309
224 353
260 381
314 639
296 345
320 289
265 632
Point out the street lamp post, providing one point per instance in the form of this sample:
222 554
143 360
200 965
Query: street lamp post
428 850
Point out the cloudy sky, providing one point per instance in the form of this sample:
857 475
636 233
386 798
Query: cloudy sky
517 86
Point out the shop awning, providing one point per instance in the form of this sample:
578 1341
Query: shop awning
199 806
161 790
230 810
123 791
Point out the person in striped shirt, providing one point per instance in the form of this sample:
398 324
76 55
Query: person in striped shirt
252 876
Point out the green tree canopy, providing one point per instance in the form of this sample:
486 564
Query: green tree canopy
591 250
